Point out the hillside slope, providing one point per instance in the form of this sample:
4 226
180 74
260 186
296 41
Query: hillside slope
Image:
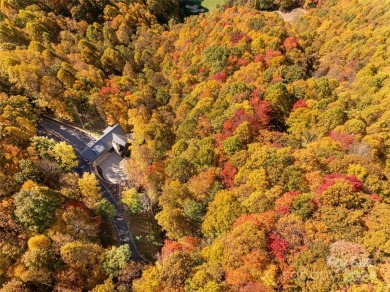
261 148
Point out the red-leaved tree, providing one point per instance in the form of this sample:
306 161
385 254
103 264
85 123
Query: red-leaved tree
331 179
228 173
277 245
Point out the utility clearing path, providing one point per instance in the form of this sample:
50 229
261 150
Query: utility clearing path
293 15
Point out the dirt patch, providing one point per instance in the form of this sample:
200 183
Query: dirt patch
146 232
293 15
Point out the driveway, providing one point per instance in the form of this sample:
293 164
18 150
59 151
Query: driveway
79 140
111 168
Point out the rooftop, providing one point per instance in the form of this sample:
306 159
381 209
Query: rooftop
104 143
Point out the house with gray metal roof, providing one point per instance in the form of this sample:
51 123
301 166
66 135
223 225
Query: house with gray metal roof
113 138
106 154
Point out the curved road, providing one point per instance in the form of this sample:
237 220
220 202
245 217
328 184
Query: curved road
80 140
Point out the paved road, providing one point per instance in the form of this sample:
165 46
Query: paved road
79 140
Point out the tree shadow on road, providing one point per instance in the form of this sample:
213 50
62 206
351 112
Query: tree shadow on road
192 7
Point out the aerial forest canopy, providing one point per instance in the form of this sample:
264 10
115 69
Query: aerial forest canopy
261 147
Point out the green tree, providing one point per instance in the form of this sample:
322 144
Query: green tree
43 146
116 259
27 171
279 97
206 155
180 169
34 208
303 205
112 60
132 199
105 208
215 57
231 145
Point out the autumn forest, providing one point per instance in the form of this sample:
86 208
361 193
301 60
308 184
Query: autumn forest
261 151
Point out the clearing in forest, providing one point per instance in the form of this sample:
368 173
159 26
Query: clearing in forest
192 7
293 15
212 4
